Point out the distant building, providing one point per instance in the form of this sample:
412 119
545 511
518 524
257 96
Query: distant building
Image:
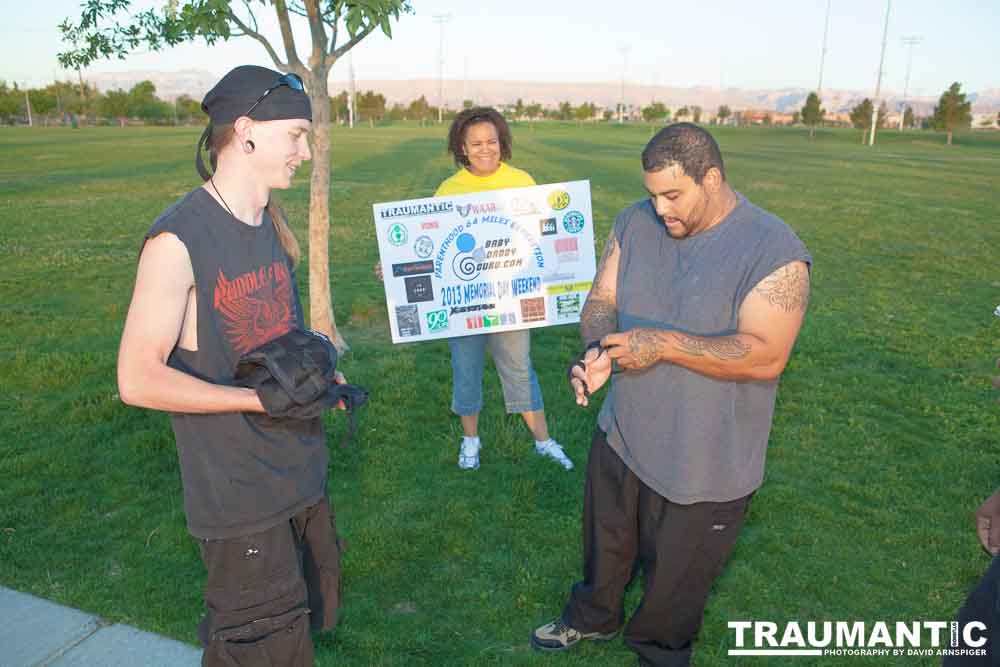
763 117
985 121
839 118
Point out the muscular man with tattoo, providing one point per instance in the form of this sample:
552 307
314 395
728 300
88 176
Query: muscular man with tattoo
698 299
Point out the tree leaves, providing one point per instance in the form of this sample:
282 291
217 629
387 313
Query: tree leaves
953 110
106 29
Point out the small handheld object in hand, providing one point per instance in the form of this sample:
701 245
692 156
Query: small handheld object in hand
580 363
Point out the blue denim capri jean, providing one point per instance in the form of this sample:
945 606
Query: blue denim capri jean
511 352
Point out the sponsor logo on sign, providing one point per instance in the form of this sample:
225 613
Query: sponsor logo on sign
423 247
437 320
566 288
558 277
433 224
471 309
410 210
533 309
407 321
567 250
573 222
558 199
419 288
468 258
567 306
548 226
477 209
496 254
398 234
412 268
490 321
523 207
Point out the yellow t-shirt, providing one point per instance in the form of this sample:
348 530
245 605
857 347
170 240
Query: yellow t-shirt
464 181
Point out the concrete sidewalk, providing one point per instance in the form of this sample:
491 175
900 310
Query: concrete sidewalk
38 633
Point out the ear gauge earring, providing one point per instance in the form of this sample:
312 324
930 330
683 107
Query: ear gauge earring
249 146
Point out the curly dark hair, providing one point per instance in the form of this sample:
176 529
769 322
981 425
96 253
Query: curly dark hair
468 117
685 144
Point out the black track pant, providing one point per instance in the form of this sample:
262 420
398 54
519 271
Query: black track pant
983 605
680 549
264 592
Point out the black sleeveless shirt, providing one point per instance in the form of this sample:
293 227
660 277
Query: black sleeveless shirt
242 472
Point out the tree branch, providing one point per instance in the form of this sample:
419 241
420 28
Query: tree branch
333 27
294 64
318 57
354 40
298 9
259 37
253 19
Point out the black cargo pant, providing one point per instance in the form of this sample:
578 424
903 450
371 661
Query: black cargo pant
680 549
983 605
267 590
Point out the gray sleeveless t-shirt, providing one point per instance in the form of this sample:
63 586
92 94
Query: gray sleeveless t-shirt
242 473
689 437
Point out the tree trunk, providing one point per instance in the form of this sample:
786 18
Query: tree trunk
812 131
949 137
320 304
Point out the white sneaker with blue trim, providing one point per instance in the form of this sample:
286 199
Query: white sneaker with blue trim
554 451
468 454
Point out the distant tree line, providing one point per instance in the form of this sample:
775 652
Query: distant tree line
952 112
371 107
65 102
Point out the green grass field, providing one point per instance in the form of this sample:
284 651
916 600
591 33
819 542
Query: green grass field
884 440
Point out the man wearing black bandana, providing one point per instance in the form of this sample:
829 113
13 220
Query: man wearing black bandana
216 280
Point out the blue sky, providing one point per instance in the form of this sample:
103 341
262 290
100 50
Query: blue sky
728 43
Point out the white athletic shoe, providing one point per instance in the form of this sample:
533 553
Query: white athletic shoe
554 451
468 454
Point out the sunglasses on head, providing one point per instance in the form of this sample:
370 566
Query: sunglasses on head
293 81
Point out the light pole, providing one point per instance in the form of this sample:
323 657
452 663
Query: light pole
465 79
822 54
351 90
878 84
27 104
910 43
441 19
621 105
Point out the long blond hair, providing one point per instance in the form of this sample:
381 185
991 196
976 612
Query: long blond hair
218 137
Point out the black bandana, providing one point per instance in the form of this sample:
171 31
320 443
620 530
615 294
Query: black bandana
238 90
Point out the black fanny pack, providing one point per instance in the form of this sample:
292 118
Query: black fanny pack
294 378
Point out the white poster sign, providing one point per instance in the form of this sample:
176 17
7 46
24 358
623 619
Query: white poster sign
486 262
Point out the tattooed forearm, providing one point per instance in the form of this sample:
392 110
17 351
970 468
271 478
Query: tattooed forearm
644 346
725 347
610 246
600 313
787 288
598 319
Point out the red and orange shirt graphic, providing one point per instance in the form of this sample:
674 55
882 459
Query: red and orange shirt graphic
255 307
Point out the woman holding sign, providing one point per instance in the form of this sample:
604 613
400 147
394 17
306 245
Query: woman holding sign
480 142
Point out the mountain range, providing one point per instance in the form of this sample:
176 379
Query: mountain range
196 83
